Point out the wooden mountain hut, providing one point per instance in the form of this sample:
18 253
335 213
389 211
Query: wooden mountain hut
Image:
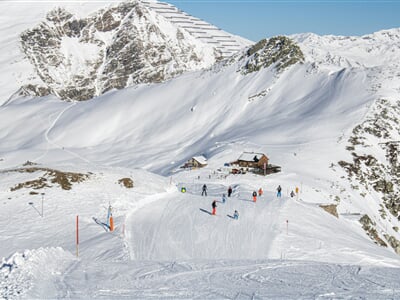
252 160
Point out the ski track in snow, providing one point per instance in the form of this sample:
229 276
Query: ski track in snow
189 212
203 258
50 142
239 279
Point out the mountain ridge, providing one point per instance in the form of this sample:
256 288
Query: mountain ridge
126 44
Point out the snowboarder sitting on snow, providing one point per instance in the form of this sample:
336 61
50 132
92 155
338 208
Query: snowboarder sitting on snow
229 191
204 190
223 198
279 189
214 207
236 215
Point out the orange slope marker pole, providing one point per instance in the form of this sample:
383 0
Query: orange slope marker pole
111 223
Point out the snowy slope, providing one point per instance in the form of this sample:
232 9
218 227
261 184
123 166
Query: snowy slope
155 222
166 244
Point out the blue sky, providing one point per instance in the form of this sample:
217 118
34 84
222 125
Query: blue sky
265 18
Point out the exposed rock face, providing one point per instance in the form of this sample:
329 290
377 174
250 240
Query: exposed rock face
374 139
117 47
280 50
330 208
369 226
48 178
393 242
126 182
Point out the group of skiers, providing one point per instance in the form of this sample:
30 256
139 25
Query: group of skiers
255 194
260 193
292 193
214 203
214 210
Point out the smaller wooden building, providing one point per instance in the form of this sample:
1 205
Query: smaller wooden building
196 162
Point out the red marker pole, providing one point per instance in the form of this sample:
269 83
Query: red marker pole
77 236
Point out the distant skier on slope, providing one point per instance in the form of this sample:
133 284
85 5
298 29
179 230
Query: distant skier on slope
260 192
254 196
214 207
229 191
204 192
292 194
223 198
279 189
236 215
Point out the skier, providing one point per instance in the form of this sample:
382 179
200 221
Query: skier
279 189
292 194
214 207
254 196
204 192
260 192
223 198
236 215
229 191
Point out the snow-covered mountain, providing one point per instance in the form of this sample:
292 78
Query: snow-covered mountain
77 58
374 144
324 108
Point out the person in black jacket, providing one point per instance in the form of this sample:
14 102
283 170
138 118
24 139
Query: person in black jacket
229 191
204 192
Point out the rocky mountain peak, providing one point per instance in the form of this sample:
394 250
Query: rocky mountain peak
122 45
279 51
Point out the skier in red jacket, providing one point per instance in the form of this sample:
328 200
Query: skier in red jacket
214 207
254 196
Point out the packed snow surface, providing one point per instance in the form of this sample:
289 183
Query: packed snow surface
166 243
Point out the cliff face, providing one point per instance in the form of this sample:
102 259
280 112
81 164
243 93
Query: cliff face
280 51
131 43
375 168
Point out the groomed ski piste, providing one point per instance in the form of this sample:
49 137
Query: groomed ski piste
166 244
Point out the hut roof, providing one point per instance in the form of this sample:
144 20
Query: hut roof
249 156
200 159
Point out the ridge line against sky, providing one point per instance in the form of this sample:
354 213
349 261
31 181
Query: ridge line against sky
258 19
